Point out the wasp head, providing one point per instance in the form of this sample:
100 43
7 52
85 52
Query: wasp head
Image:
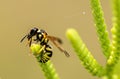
33 32
29 36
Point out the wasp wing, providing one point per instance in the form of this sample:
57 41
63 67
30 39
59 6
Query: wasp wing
53 40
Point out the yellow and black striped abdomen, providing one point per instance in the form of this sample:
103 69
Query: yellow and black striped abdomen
46 54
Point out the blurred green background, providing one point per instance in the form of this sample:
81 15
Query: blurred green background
17 17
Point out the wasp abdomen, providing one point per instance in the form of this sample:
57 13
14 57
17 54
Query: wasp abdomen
46 54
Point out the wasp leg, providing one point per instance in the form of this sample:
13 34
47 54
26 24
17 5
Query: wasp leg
29 42
36 40
43 47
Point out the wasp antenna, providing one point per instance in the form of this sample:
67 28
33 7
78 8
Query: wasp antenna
23 38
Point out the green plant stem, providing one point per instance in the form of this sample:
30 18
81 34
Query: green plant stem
115 53
84 54
47 68
101 27
112 77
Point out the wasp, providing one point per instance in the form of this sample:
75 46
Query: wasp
40 36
